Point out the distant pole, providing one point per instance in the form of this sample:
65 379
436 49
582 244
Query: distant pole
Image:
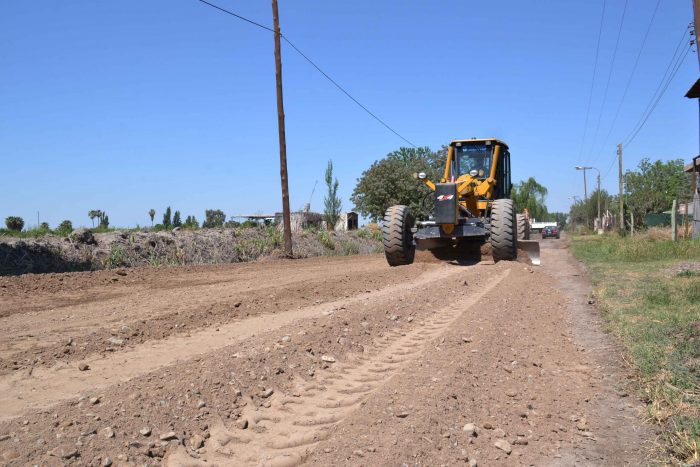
37 219
674 227
286 222
632 223
600 222
622 197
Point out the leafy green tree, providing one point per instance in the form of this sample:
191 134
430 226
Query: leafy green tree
391 181
177 222
331 202
561 218
65 227
584 212
152 214
654 186
15 223
167 220
214 218
530 195
44 226
191 223
230 224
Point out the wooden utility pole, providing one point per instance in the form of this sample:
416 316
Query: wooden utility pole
622 197
286 222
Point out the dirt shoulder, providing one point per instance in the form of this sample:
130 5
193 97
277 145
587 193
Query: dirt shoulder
387 369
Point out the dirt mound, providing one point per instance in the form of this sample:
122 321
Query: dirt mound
86 251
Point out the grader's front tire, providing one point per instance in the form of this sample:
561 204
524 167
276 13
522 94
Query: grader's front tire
504 242
398 238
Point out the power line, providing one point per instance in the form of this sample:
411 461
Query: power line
335 83
629 80
671 69
590 93
607 84
237 16
670 73
681 59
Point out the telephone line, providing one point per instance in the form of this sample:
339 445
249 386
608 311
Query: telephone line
629 80
590 93
610 73
325 75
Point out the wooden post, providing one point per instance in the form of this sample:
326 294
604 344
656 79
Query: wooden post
674 229
286 221
622 196
600 221
632 223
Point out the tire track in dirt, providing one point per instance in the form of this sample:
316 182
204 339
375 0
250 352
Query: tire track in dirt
43 387
285 432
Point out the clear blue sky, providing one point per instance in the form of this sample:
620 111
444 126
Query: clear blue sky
124 106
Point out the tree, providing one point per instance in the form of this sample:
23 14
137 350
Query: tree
167 221
44 226
530 195
104 220
191 223
560 218
391 181
152 214
584 212
214 218
93 214
14 223
65 227
176 219
332 204
654 186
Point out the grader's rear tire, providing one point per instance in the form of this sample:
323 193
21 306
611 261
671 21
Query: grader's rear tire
523 227
398 238
504 242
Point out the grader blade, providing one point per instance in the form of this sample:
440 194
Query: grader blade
532 248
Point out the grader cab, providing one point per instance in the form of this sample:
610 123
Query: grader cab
472 206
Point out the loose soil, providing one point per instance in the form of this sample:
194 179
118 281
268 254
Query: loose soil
322 361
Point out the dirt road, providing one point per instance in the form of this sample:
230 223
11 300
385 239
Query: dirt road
320 361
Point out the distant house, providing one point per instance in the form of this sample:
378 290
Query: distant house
347 221
300 220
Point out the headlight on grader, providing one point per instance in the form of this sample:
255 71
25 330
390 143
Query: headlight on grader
473 173
421 175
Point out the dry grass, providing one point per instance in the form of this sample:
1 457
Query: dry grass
656 314
204 246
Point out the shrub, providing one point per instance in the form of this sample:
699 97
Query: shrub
14 223
326 240
65 227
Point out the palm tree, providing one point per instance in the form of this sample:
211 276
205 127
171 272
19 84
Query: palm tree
152 213
94 213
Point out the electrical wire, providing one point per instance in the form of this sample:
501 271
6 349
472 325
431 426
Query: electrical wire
680 61
629 80
610 73
671 69
590 93
335 83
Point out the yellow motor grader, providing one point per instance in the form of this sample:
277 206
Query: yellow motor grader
472 206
